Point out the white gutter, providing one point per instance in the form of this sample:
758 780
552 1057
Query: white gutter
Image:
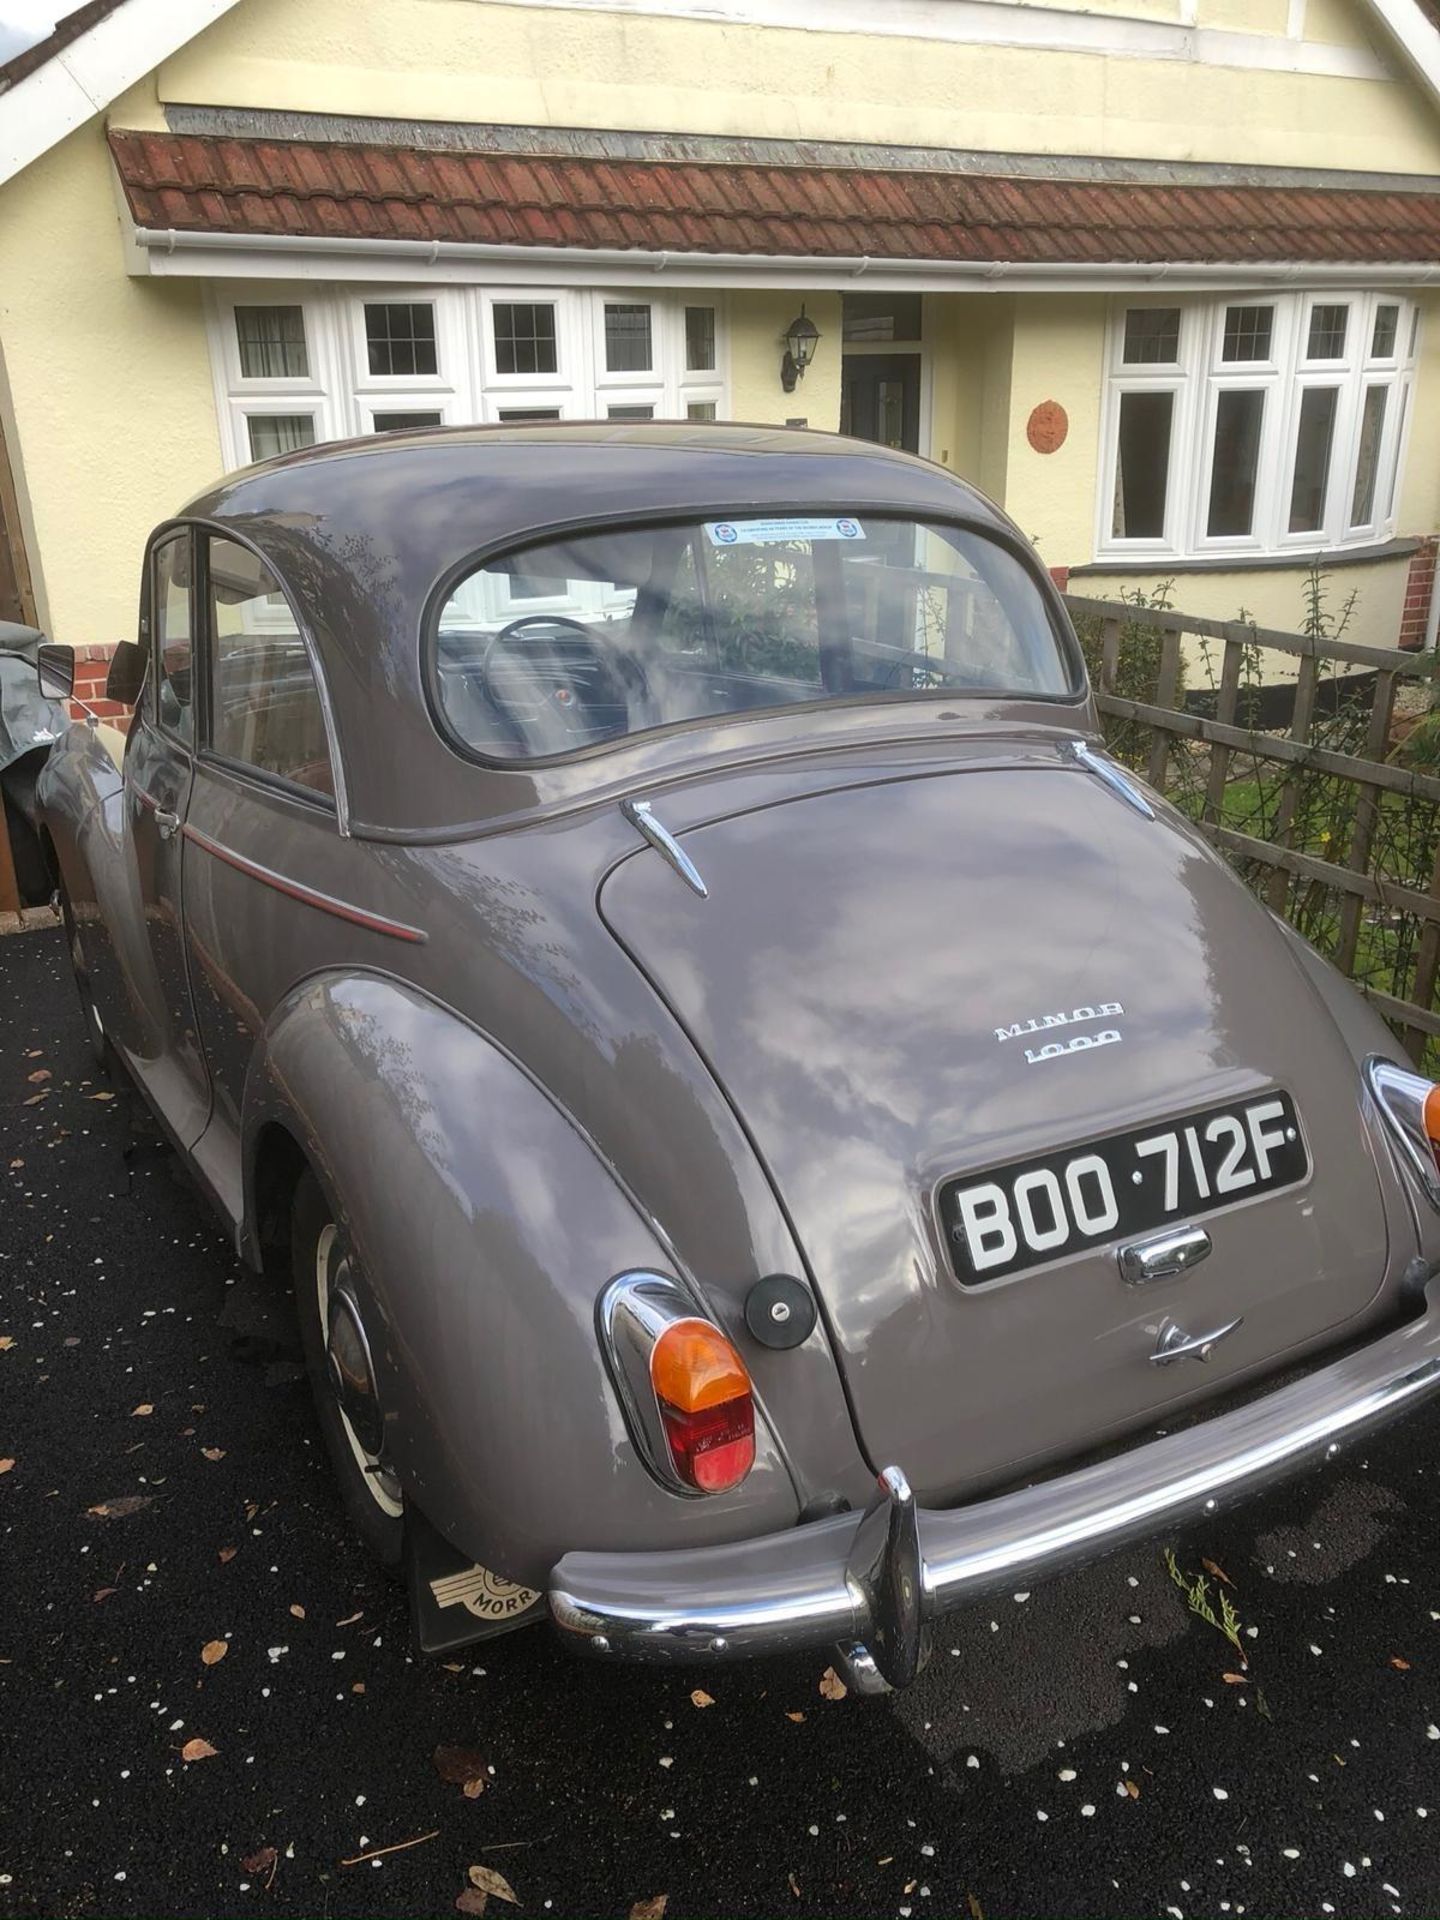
168 251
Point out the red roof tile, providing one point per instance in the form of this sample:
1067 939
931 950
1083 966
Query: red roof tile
194 182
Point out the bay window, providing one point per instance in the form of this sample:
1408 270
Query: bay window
1255 425
295 366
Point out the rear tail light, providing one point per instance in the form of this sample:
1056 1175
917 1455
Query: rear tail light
707 1407
685 1392
1410 1105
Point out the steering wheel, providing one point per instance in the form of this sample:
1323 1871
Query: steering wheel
605 680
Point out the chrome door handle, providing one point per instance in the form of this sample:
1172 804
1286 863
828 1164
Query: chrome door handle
1163 1255
167 824
1176 1344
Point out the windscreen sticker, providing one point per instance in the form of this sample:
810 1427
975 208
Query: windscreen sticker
762 533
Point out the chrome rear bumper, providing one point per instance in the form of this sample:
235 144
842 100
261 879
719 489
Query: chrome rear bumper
869 1583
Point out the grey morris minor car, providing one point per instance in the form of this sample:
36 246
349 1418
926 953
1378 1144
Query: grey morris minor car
773 1133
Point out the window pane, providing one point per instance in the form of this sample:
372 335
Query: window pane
630 413
627 339
1247 333
1367 465
1142 465
657 625
1152 336
267 712
1313 443
171 609
272 343
1393 485
700 410
272 433
400 336
1326 338
1387 330
880 316
699 339
395 422
524 337
1239 416
517 416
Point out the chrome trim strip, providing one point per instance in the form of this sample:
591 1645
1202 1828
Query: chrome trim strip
1118 781
799 1589
308 896
641 815
1400 1096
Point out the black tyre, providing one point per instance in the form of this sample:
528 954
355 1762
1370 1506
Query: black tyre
321 1263
94 1025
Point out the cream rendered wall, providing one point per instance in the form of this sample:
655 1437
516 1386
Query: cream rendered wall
1058 355
1275 597
757 323
109 387
475 60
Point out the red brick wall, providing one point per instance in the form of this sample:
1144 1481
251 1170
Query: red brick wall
91 666
1419 583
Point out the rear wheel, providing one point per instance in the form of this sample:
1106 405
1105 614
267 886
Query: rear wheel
94 1025
337 1357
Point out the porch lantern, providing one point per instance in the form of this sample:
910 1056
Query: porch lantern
801 338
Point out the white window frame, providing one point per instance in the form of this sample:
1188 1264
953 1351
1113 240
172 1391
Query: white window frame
344 396
1199 376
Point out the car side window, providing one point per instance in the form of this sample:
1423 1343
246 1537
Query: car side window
174 653
266 711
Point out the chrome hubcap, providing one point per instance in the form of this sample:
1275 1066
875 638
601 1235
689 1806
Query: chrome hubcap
351 1372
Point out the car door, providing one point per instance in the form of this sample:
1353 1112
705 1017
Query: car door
160 1039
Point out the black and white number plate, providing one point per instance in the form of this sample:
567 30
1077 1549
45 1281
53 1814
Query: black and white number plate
1059 1204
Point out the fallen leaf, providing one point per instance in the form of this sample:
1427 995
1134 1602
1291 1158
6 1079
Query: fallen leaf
458 1766
350 1619
1402 1666
910 1886
99 1096
487 1880
1235 1679
6 1465
650 1909
140 1412
473 1789
197 1750
261 1861
470 1900
16 1163
1218 1572
298 1611
213 1453
39 1077
699 1698
214 1651
5 1343
832 1686
226 1554
120 1509
359 1687
795 1716
103 1593
977 1912
794 1885
1132 1789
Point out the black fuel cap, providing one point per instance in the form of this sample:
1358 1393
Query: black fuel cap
779 1311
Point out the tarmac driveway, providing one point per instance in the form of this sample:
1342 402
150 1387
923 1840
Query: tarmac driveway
174 1569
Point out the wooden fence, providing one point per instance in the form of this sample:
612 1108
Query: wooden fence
1314 805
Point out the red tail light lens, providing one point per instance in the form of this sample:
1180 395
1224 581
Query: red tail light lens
707 1405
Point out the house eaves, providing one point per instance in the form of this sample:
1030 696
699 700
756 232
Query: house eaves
67 79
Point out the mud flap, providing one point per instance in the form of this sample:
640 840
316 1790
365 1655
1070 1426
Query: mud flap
453 1601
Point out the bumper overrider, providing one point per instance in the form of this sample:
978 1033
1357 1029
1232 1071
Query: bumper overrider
870 1583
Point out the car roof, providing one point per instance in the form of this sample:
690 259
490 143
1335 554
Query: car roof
362 531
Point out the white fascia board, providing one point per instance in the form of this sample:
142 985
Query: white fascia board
82 79
169 253
1417 37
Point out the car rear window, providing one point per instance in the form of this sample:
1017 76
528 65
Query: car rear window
554 648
